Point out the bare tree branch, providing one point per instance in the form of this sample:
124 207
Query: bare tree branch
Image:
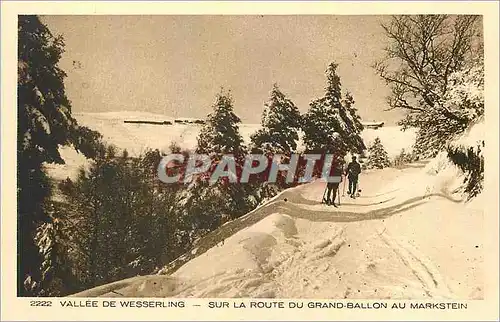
429 48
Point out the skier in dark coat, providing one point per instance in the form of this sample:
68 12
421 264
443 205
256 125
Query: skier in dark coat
353 171
333 186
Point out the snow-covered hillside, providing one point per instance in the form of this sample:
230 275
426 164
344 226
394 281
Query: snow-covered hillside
138 137
407 236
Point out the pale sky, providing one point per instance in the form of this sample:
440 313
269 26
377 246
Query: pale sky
175 65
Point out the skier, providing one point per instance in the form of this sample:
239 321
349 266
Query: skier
333 186
353 171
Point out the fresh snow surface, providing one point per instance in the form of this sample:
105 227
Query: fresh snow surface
408 236
73 161
138 137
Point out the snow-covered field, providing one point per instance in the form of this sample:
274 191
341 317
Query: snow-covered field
138 137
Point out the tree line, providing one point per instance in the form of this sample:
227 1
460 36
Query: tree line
117 220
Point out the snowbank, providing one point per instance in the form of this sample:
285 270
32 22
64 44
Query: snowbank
389 249
409 235
473 137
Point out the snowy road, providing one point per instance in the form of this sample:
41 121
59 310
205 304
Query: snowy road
406 237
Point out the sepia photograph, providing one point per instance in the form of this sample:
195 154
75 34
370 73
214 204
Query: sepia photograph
239 161
258 156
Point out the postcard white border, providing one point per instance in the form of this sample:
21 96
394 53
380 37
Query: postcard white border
14 308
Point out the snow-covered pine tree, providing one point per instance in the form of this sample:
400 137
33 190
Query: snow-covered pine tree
402 158
281 122
120 234
329 125
348 103
377 156
44 123
220 134
52 240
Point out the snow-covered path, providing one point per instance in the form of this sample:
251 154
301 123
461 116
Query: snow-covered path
405 237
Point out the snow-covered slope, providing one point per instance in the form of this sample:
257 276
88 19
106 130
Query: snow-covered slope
407 236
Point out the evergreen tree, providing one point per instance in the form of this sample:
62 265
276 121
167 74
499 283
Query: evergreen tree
44 124
402 158
281 122
203 207
51 238
348 103
126 221
377 156
206 204
220 134
330 125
